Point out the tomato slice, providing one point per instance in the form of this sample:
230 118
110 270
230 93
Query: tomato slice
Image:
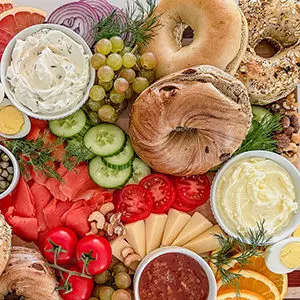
161 190
182 207
192 190
135 203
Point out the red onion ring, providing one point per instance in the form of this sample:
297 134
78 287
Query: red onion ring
78 16
102 7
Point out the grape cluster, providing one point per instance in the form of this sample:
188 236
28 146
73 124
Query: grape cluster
121 75
114 284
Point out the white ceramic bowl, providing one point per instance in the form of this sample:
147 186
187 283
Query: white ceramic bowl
6 60
16 172
283 162
156 253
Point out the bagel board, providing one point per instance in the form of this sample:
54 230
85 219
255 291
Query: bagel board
88 199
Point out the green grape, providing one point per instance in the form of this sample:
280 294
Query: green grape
101 278
140 84
125 50
129 60
123 280
107 114
97 93
98 60
94 119
93 298
119 268
117 44
95 105
128 74
97 290
149 74
114 60
121 85
104 46
129 93
116 97
107 85
137 67
121 295
105 74
106 293
148 61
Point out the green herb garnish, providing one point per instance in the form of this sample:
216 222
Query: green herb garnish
249 245
138 23
260 135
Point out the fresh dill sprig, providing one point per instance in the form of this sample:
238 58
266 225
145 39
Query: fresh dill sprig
138 23
260 136
246 245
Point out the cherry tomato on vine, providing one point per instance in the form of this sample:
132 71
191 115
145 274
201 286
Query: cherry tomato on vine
77 287
162 190
192 190
94 254
59 241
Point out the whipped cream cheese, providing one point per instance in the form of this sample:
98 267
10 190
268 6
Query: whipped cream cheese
49 72
256 189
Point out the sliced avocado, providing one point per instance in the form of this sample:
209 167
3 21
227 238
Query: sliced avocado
259 112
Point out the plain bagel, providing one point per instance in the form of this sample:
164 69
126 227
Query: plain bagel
278 21
186 123
220 35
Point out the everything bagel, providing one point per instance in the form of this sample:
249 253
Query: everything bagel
220 35
278 21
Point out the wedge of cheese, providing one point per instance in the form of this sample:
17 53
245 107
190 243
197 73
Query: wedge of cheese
136 237
155 226
196 225
117 245
205 242
174 225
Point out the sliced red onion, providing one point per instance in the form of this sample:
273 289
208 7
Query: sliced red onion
78 16
102 7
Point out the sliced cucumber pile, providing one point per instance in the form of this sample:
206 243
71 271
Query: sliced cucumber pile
107 177
122 160
140 170
105 140
70 126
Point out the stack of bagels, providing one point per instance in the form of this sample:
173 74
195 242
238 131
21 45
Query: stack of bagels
199 111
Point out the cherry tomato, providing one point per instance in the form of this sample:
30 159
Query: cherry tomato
192 190
80 288
161 190
135 203
93 254
182 207
60 240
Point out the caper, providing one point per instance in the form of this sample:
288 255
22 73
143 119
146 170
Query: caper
4 174
4 157
4 164
10 170
2 185
10 178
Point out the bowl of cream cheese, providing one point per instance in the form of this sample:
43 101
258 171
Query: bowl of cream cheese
257 186
46 71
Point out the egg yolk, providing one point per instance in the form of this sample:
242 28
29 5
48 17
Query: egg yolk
290 255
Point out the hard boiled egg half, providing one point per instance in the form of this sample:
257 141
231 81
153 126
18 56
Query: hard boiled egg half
284 257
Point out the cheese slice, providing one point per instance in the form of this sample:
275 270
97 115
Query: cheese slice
196 225
117 245
155 226
136 237
205 242
174 225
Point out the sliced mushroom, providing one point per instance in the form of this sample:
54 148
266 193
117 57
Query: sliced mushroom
27 275
127 251
132 261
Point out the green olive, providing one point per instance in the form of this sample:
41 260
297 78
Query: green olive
106 293
102 278
96 291
119 268
123 280
121 295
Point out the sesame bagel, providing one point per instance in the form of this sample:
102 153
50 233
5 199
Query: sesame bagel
185 123
278 21
220 35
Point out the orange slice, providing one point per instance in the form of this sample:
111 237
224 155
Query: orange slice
15 20
231 294
5 5
254 282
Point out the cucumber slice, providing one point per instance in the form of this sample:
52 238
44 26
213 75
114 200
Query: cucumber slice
69 126
107 177
122 160
140 170
105 139
259 113
76 147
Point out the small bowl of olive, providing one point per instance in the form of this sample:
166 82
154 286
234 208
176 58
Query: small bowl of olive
9 172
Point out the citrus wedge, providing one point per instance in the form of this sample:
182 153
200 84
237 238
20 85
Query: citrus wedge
257 264
231 294
5 5
15 20
254 282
